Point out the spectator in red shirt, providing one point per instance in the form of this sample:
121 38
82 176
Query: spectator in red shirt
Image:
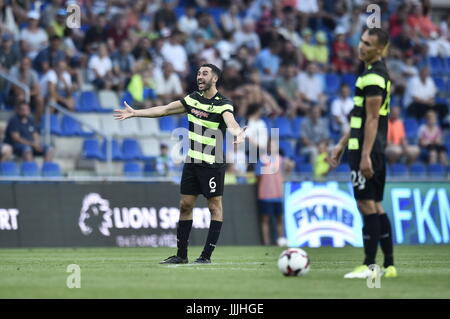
342 54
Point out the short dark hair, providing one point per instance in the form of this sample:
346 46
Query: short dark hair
382 35
214 68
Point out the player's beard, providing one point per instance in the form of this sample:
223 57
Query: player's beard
206 86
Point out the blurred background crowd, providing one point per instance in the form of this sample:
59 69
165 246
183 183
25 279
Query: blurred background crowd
289 64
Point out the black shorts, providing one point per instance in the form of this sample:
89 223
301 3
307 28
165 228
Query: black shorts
372 189
198 179
270 208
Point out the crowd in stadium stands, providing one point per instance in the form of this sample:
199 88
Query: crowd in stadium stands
290 64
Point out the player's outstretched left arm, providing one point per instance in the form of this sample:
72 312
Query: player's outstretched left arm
175 107
234 127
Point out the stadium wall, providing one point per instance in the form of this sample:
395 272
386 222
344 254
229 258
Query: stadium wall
115 214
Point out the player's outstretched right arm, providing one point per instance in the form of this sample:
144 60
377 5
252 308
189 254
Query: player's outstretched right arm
175 107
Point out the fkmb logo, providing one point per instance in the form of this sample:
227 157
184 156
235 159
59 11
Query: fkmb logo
319 213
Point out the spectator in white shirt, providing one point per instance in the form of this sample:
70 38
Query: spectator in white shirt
34 37
188 22
168 84
56 85
173 51
230 20
310 85
420 96
340 109
100 68
247 37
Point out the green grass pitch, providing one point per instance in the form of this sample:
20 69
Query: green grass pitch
236 272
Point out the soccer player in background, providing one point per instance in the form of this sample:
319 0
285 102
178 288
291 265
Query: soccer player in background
209 114
366 143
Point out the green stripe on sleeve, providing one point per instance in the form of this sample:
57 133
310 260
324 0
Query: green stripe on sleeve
353 144
371 79
355 122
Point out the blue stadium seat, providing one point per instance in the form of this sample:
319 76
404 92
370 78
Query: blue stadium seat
342 169
398 170
91 150
296 124
167 123
88 101
183 122
132 169
9 169
54 124
284 125
349 78
411 128
305 168
332 83
30 169
150 166
50 169
131 150
268 122
149 94
440 84
71 127
216 12
418 170
116 152
287 149
436 170
127 97
436 65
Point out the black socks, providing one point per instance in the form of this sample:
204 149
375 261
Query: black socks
211 240
386 241
371 235
183 231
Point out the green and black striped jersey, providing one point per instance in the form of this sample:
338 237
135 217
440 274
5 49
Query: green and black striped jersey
373 81
207 128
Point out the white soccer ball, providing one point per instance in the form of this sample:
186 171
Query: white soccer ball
294 262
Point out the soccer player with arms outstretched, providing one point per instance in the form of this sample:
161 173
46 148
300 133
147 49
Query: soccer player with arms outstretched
209 115
366 143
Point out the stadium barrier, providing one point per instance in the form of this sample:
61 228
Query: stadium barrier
126 214
115 214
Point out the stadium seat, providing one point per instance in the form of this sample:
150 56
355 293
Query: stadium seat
55 127
304 169
30 169
284 125
148 126
109 125
51 169
440 84
398 170
132 169
436 65
108 100
9 169
183 122
92 119
411 128
436 170
87 101
71 127
116 152
91 150
131 150
350 79
287 149
417 170
332 83
150 166
342 170
127 97
296 125
167 123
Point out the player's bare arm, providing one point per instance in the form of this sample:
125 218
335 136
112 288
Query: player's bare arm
373 104
338 150
234 127
175 107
